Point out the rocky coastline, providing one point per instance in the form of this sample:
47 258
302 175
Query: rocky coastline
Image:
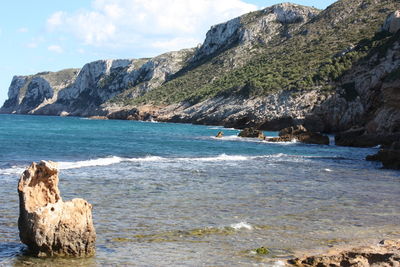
360 105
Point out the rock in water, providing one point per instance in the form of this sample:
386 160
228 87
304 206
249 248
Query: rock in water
47 225
252 133
219 135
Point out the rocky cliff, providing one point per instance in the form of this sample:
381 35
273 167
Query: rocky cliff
81 92
277 67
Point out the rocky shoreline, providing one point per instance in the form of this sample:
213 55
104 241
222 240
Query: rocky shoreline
384 253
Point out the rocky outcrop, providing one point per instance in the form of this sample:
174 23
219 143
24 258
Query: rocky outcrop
47 225
83 92
386 253
254 28
301 134
238 112
389 156
392 23
251 133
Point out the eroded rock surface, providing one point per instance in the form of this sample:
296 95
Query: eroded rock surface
301 134
47 225
386 253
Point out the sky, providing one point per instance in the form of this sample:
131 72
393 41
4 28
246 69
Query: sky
49 35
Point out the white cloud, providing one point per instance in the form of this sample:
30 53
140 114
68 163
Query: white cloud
23 30
35 42
158 24
55 48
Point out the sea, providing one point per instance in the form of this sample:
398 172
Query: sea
167 194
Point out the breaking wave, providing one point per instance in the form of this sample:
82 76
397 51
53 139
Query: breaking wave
66 165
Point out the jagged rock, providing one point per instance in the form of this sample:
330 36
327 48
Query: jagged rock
390 157
294 131
47 225
301 134
386 253
124 114
313 138
220 135
252 133
392 23
81 92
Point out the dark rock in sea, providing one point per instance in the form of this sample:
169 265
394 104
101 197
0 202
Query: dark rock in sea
47 225
359 137
252 133
386 253
125 114
301 134
313 138
390 157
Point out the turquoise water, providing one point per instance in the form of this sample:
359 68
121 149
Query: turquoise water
172 194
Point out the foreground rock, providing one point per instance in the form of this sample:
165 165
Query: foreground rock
300 134
47 225
386 253
390 157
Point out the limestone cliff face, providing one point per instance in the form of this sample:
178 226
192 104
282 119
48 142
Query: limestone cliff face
254 28
82 92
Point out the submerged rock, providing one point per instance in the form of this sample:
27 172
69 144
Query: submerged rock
386 253
47 225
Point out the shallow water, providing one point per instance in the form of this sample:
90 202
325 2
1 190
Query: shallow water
173 195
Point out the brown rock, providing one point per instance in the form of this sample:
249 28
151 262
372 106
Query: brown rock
301 134
313 138
294 130
98 118
252 133
286 138
386 253
219 135
47 225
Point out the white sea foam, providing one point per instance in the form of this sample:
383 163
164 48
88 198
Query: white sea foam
241 225
222 157
104 162
66 165
12 171
328 170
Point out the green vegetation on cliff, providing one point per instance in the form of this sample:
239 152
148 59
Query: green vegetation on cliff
313 56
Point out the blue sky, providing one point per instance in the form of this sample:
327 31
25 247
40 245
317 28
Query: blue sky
49 35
